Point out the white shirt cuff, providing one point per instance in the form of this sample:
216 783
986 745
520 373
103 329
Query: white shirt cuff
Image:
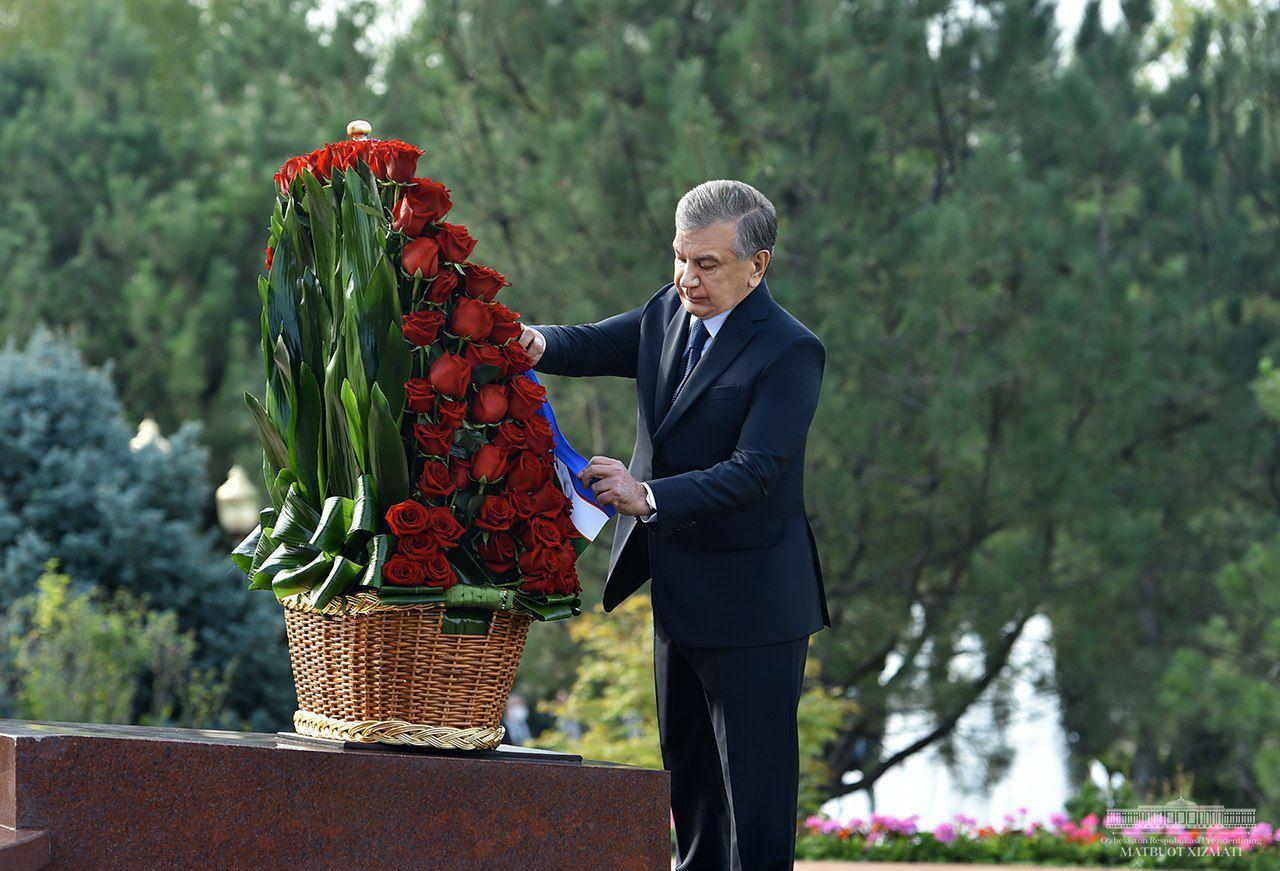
648 495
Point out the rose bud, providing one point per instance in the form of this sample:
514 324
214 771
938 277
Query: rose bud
438 572
488 464
422 328
435 480
402 571
418 395
460 471
471 319
526 472
441 287
422 202
456 244
495 513
537 433
489 405
271 252
525 398
539 561
521 503
505 323
421 257
511 436
443 526
549 500
399 159
517 359
498 553
450 412
434 439
483 354
407 517
451 374
483 282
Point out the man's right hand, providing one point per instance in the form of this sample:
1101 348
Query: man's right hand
533 342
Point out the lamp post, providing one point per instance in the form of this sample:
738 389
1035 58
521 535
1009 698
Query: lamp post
238 503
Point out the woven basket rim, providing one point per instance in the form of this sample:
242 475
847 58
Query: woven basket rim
366 602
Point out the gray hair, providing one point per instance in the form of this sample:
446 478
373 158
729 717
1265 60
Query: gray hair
720 200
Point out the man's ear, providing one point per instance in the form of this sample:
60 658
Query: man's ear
759 263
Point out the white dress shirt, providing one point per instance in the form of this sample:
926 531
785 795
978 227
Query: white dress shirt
713 325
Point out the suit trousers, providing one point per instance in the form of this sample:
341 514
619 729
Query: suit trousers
727 725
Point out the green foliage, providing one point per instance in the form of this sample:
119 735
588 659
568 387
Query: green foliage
85 658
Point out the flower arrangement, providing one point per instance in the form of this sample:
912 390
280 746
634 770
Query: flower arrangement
1151 843
406 449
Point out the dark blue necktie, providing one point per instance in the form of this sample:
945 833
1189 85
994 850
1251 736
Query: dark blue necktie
697 338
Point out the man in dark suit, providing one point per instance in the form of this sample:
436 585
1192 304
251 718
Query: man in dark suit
727 382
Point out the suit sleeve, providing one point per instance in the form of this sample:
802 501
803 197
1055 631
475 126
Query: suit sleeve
777 424
607 347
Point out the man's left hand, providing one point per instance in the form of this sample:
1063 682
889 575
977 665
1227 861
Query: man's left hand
615 486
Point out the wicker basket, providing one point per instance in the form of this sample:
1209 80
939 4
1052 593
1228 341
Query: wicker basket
384 673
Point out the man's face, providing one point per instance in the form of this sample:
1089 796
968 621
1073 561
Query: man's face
708 277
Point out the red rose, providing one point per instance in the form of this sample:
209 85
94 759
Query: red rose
419 395
511 436
489 463
434 439
443 526
527 472
407 517
438 571
505 323
525 398
271 253
549 500
450 374
516 360
541 532
489 405
495 513
521 502
460 471
442 286
397 160
422 328
538 435
422 202
418 546
483 282
402 571
540 585
471 319
567 529
288 172
435 480
421 257
498 553
450 412
483 354
539 561
455 242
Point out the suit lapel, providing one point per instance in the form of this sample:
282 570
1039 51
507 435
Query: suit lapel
674 339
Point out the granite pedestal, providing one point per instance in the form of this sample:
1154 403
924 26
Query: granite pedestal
91 796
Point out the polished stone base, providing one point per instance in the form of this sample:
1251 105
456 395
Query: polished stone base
92 796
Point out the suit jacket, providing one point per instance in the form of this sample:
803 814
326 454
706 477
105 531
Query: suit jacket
731 553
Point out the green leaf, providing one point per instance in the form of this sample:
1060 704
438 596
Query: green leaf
364 516
465 621
297 519
331 528
320 206
242 556
272 442
379 552
355 424
304 577
394 366
468 568
484 373
310 417
283 558
342 465
387 459
342 575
